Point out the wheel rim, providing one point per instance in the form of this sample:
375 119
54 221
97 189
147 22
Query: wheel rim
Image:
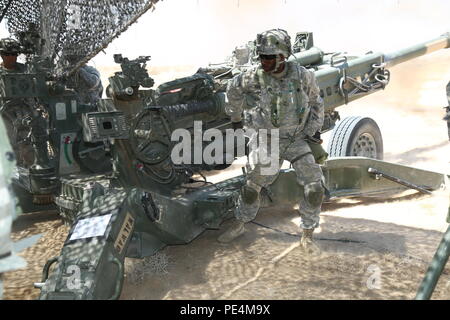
365 146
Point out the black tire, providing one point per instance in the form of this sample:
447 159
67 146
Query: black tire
356 137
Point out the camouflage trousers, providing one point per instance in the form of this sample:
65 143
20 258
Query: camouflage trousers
309 175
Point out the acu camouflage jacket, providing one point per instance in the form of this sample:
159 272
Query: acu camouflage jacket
290 102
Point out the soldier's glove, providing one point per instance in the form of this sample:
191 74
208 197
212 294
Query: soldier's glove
237 125
315 138
315 143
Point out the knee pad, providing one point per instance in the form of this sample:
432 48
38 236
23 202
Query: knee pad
314 192
249 195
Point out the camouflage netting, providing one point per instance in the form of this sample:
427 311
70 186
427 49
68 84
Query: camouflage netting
76 28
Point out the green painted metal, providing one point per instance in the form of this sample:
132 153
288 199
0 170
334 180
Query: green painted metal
417 50
333 71
435 269
181 218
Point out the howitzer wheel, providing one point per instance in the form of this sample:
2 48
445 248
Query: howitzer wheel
356 137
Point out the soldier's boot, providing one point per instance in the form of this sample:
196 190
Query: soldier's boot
236 229
307 243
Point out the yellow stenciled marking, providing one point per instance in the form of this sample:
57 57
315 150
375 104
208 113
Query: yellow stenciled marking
124 233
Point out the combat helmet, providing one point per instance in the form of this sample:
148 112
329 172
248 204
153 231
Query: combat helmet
9 46
274 42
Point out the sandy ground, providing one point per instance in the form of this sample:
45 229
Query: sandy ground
377 249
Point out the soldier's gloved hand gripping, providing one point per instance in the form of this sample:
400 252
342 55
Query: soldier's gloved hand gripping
316 138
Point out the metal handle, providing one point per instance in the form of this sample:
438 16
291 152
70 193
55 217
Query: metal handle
45 271
119 280
342 59
47 266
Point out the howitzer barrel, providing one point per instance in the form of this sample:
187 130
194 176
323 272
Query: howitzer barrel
399 56
213 106
307 57
348 79
191 108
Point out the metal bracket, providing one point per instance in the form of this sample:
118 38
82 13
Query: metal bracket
340 60
377 79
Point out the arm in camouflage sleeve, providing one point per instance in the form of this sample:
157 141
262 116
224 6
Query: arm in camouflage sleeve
236 99
316 115
90 77
243 92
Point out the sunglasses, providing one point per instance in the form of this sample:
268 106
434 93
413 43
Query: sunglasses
267 56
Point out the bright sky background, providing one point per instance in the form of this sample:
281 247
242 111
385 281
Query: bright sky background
183 32
196 32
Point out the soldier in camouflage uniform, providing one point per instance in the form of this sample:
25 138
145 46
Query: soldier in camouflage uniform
278 94
85 81
9 50
8 259
87 84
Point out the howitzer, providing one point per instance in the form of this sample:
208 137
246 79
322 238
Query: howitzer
43 119
342 79
55 133
150 202
53 146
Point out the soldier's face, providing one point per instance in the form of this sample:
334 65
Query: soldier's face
268 62
9 60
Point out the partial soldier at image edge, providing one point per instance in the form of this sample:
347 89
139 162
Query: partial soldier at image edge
9 260
447 116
